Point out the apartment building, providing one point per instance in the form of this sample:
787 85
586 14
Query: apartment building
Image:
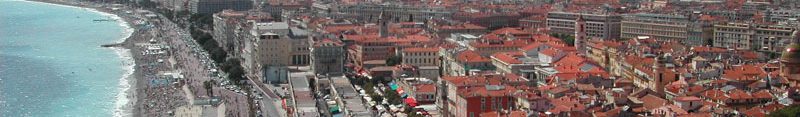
328 56
754 36
421 56
661 27
214 6
603 26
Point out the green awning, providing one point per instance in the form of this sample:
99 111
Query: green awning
334 109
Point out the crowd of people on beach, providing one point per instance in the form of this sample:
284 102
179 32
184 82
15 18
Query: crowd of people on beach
161 93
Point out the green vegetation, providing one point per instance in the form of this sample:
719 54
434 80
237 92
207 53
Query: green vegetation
228 64
791 111
147 4
569 39
236 74
207 85
231 66
376 97
369 88
394 60
392 97
412 113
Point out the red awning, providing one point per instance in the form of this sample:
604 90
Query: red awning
411 102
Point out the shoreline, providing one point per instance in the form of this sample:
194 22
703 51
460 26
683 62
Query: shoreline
125 99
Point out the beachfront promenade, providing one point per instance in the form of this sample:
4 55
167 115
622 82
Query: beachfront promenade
171 68
198 68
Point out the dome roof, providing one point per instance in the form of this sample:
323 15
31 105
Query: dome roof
791 53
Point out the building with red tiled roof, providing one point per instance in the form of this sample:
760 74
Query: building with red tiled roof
565 105
374 47
516 113
495 19
421 56
745 74
669 111
600 26
688 102
551 55
472 95
652 102
514 63
709 52
768 37
425 93
446 30
327 56
514 32
533 22
459 63
277 7
604 52
489 47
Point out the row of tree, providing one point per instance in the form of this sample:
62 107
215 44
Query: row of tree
232 66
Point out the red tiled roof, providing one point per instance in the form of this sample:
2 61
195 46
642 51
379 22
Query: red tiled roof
708 49
406 31
763 94
687 98
504 43
715 95
426 88
469 56
566 104
608 43
773 107
697 115
739 94
531 46
706 18
508 57
571 59
421 49
561 46
743 73
482 91
755 112
652 102
545 38
516 113
513 31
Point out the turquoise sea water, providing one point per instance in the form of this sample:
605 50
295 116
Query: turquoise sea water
51 64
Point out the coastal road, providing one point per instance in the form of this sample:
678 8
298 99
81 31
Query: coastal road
271 103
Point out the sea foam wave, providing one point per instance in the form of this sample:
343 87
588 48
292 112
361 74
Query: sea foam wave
121 105
122 99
